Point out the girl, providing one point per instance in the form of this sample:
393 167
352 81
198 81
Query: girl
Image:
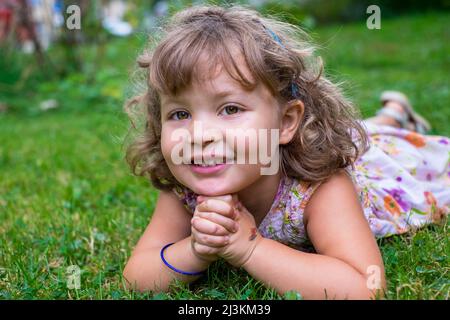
310 226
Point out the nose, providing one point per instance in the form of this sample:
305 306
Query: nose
206 131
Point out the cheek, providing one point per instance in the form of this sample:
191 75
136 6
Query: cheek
167 145
268 136
176 146
267 120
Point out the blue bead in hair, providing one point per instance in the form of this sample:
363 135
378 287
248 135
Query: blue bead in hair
294 88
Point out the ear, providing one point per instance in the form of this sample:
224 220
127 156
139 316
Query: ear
290 120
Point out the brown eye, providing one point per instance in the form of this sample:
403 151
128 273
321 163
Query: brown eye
231 109
180 115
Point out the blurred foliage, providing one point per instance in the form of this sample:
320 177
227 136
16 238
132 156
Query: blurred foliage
98 85
325 12
88 68
84 69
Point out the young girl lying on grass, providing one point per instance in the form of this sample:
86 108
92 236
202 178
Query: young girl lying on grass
309 226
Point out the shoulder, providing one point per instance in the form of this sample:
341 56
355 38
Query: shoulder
337 226
338 188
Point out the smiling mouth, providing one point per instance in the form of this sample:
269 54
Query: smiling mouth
208 169
211 165
211 162
206 165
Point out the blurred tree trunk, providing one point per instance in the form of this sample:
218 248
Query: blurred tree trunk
25 18
71 40
91 32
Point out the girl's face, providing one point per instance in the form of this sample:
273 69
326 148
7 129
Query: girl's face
220 105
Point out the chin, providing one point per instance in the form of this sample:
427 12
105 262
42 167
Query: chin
229 182
210 188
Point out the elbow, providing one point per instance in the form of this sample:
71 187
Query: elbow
371 295
369 292
130 279
368 295
136 281
376 288
361 288
378 293
129 275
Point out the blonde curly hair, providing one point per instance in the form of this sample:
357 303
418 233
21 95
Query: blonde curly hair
280 55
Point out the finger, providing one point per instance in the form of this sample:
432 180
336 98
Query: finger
226 198
209 227
204 250
240 209
219 206
208 220
232 199
209 240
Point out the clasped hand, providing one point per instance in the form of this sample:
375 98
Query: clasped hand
223 228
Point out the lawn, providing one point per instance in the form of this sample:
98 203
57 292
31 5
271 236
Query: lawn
68 198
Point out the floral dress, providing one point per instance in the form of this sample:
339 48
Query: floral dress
403 183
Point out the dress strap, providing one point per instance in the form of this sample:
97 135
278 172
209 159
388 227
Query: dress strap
187 197
306 190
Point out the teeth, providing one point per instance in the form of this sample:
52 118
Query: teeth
210 163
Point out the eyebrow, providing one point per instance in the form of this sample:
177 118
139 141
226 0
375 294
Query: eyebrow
220 94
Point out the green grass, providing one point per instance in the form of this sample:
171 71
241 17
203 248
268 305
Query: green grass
67 197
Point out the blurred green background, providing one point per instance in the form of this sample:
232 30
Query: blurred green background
67 196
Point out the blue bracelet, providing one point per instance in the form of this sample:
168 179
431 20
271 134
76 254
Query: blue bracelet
175 269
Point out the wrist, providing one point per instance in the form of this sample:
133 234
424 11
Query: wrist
202 262
255 243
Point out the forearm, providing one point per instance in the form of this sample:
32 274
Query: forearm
314 276
146 271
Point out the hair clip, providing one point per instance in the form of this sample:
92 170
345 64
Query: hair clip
294 88
275 37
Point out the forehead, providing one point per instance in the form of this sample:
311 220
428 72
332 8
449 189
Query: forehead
227 67
219 78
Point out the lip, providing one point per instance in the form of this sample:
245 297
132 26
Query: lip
209 169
